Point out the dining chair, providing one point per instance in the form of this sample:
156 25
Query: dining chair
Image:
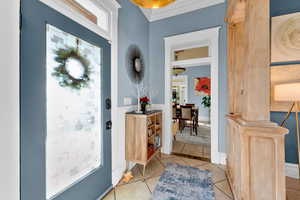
195 120
174 113
190 104
186 118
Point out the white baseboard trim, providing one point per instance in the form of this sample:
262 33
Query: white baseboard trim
222 158
118 144
291 170
117 175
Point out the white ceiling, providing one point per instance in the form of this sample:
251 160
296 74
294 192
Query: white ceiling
177 8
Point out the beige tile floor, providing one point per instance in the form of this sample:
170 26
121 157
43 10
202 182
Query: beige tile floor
141 187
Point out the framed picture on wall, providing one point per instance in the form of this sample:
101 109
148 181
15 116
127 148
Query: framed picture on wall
285 45
202 86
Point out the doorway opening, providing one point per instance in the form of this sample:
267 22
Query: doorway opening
191 102
185 52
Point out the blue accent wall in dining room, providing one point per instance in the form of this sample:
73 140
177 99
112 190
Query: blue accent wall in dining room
279 7
192 73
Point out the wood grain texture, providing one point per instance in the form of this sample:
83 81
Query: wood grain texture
137 138
283 74
256 160
236 11
255 146
257 61
236 67
285 38
81 10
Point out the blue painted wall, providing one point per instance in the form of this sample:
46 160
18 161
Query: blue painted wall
194 21
133 29
192 73
280 7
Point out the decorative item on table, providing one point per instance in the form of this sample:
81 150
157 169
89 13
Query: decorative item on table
144 101
142 91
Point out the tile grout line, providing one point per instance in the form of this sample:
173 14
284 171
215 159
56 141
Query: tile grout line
148 187
230 197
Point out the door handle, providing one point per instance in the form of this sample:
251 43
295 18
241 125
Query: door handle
108 125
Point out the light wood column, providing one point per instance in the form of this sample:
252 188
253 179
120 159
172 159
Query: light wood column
255 153
236 67
257 61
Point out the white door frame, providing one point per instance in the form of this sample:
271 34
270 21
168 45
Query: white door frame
209 37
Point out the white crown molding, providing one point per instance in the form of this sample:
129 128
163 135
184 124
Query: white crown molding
177 8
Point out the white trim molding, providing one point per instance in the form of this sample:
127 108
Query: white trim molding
171 43
119 164
110 6
292 170
177 8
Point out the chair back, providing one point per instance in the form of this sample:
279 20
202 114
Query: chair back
186 112
174 110
189 104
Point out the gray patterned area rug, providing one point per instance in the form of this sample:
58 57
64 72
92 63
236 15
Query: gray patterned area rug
180 182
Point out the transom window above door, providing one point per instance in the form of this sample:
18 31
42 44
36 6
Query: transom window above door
89 13
191 53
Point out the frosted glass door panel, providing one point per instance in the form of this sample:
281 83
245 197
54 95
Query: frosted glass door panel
74 137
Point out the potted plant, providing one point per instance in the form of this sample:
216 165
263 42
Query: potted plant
206 101
144 102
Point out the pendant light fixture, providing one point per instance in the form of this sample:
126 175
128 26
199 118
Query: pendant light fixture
178 70
152 3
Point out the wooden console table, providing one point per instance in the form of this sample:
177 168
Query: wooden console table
143 137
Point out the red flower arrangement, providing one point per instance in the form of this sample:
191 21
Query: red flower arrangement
204 85
144 100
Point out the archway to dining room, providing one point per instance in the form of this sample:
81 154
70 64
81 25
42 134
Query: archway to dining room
192 94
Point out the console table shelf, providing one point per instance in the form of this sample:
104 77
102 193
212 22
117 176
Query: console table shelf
143 137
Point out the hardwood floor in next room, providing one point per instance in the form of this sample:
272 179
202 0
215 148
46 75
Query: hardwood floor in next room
196 145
